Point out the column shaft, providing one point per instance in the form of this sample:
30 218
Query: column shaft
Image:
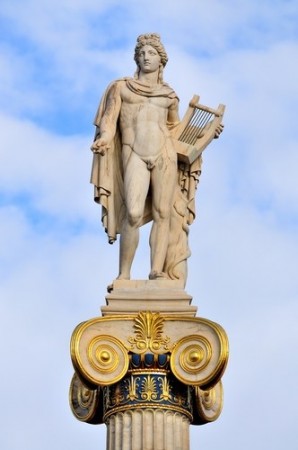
148 429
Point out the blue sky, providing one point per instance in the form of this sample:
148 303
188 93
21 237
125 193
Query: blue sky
56 58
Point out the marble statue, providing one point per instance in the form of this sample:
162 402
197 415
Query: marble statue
148 367
137 173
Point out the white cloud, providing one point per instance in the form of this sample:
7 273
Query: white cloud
51 171
17 92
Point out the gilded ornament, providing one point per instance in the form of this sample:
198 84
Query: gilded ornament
148 389
102 361
85 403
148 329
132 388
165 387
195 361
195 357
208 404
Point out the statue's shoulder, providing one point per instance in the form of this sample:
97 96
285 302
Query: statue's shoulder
111 92
170 91
118 84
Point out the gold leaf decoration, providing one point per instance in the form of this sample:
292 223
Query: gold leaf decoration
148 329
149 388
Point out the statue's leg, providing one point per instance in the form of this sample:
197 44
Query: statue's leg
136 185
163 181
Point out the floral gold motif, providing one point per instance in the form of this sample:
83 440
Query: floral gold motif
165 388
148 329
149 388
132 388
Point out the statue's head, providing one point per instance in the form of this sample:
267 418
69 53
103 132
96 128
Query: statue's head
152 39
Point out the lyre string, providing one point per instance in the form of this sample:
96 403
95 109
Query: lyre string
195 126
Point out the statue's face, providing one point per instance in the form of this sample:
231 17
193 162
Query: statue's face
149 59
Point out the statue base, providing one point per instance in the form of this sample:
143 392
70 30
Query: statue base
166 297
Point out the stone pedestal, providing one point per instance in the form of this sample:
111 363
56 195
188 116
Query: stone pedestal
164 296
148 368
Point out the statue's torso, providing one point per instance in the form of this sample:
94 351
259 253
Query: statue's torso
143 122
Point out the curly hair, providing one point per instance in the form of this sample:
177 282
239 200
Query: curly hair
152 39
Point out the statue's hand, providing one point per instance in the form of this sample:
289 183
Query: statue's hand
100 146
218 131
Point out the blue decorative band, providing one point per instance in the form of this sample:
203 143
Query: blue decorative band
148 384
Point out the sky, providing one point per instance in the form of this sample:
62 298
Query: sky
56 58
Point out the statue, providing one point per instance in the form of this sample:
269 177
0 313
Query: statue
140 171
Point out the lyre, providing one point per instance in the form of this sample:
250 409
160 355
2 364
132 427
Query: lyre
196 130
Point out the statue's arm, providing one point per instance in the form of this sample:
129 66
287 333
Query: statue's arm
106 129
173 114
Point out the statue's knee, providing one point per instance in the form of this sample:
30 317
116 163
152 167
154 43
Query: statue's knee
134 218
161 213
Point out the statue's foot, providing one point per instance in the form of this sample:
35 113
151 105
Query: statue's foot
123 276
110 288
154 275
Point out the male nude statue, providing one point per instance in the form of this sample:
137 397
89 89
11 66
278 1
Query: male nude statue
141 111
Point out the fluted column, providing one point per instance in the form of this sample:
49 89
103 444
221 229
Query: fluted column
148 429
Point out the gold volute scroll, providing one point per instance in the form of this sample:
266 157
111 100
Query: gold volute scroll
85 403
200 360
101 360
208 404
